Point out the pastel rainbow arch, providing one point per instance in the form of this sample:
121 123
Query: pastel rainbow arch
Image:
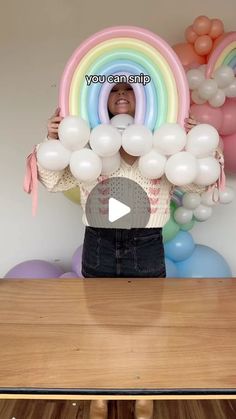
224 54
129 51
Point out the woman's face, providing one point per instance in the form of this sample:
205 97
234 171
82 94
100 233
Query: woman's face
122 99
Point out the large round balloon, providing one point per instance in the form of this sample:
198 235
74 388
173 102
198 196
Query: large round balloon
35 268
171 270
204 262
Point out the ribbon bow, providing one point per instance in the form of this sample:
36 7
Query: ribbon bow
31 179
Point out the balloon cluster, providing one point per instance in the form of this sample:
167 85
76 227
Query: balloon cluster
185 259
183 158
202 37
214 90
199 207
38 268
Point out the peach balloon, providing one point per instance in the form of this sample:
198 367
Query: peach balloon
190 35
217 28
188 55
202 25
203 45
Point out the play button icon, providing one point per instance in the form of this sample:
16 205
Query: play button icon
117 202
117 210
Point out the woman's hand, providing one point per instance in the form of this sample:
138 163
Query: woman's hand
53 124
190 123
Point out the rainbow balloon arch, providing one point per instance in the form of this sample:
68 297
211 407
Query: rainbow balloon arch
224 54
162 96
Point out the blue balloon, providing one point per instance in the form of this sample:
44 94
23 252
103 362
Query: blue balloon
171 270
180 247
204 262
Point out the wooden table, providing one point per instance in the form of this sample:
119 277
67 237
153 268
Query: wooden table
118 338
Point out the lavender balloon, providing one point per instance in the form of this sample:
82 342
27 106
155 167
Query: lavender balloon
77 261
35 268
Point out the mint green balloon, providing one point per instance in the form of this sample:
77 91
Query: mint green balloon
170 229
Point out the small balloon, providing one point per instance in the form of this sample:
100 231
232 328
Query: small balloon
218 99
226 196
230 90
207 89
152 164
208 169
85 165
224 76
183 215
207 198
195 78
191 200
202 25
137 140
202 140
202 213
203 45
73 132
121 121
169 139
110 164
217 28
105 140
51 155
181 168
190 35
196 98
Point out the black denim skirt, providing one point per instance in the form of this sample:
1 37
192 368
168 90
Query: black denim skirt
123 253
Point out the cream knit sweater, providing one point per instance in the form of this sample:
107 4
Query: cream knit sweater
159 191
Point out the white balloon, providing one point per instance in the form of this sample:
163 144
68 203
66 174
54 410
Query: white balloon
191 200
208 171
152 164
137 140
181 168
224 75
52 155
121 121
196 99
183 215
226 196
218 99
85 165
105 140
169 139
207 89
110 164
230 90
73 132
207 198
202 213
195 78
202 140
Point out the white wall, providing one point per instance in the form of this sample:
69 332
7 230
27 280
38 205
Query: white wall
36 40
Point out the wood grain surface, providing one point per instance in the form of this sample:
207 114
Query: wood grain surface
111 334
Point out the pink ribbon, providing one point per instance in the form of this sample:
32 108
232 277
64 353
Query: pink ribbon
219 185
31 179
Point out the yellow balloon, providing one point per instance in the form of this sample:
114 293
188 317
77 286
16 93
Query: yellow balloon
73 194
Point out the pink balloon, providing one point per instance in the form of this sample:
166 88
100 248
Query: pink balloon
206 114
228 126
230 153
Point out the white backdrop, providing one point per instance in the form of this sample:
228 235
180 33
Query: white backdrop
36 40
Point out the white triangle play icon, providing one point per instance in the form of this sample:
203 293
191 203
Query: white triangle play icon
117 210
